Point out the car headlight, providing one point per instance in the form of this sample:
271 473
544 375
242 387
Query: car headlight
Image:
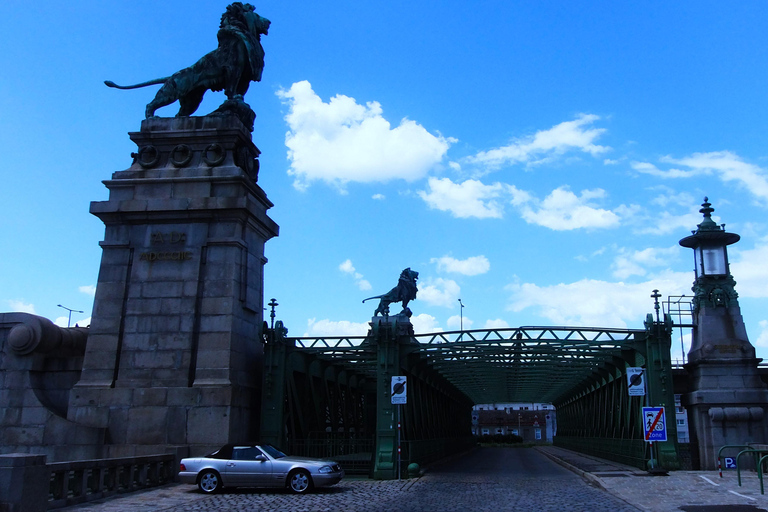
325 469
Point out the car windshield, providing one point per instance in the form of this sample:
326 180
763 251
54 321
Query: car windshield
272 451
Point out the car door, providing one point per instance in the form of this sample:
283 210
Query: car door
248 467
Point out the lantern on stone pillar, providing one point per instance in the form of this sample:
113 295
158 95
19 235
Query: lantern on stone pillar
714 283
726 398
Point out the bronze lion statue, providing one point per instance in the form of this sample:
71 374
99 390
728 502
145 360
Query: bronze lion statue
404 292
238 61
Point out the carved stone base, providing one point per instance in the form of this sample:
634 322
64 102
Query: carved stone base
174 351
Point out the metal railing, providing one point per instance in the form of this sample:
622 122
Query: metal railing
354 455
86 480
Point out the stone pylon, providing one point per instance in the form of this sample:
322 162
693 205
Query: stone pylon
726 405
174 350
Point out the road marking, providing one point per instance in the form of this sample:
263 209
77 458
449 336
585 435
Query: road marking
710 481
748 497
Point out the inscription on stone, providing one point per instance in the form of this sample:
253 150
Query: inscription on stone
172 238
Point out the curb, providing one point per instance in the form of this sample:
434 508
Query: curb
570 467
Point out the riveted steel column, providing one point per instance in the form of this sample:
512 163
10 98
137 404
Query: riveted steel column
386 335
660 388
276 353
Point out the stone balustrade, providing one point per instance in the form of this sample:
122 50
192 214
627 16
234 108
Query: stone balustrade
24 479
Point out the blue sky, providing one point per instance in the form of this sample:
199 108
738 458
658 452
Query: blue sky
538 160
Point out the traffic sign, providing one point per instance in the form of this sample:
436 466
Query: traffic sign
654 426
730 462
636 381
399 391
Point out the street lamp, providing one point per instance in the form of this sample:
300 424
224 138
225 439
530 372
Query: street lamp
461 315
69 320
709 243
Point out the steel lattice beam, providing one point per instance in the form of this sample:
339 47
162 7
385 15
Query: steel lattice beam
497 365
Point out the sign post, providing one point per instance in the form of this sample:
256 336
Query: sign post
654 427
399 397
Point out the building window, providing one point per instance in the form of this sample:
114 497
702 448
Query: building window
486 431
538 434
514 431
681 422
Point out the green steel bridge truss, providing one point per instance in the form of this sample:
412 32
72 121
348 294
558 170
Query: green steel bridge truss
335 391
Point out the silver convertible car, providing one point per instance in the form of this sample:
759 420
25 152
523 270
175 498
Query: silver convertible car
235 465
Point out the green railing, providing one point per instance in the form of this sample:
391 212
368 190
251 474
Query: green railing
626 451
354 455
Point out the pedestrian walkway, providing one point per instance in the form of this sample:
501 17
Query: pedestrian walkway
680 490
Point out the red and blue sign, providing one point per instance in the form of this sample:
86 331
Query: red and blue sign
654 425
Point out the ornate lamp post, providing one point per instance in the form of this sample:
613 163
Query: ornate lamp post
727 397
714 288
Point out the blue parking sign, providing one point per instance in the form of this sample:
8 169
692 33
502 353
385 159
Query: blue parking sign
730 462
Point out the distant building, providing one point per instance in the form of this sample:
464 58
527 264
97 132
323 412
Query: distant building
534 422
681 419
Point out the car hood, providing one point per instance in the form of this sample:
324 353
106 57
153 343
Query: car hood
305 460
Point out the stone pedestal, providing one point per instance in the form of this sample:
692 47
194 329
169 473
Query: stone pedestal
174 350
729 398
23 483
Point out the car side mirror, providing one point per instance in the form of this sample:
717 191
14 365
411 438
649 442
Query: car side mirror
261 458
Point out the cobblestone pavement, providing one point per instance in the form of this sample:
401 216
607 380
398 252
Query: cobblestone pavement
484 479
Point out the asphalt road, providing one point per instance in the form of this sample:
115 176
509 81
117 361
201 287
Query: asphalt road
486 479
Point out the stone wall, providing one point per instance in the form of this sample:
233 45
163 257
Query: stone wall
39 365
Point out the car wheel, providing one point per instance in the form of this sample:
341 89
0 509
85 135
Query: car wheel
209 481
299 482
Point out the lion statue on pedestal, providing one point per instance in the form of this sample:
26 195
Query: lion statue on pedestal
238 61
404 292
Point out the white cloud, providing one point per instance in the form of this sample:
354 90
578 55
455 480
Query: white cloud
19 306
563 210
750 271
669 197
62 321
348 268
596 303
497 323
335 328
472 266
645 222
636 263
424 323
378 197
649 168
342 141
456 322
439 292
546 144
762 338
88 290
471 198
728 166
